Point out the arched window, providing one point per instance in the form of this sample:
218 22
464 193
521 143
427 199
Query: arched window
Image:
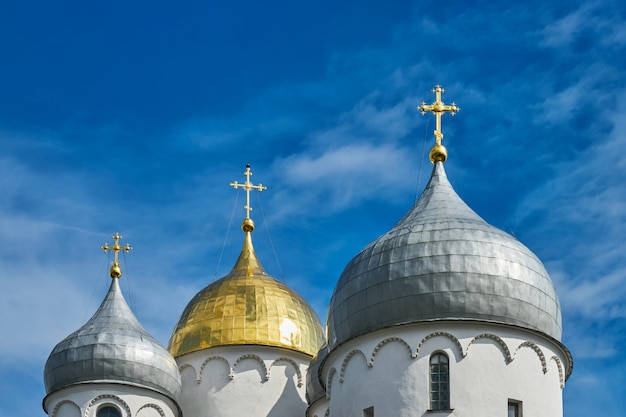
108 411
439 382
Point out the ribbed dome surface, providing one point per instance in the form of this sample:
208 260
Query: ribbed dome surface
112 347
442 262
314 388
247 307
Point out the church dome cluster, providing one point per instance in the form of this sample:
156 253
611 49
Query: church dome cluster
440 282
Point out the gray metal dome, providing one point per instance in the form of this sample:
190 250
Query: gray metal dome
314 387
442 262
112 347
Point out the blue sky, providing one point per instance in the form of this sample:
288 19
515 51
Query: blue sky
135 116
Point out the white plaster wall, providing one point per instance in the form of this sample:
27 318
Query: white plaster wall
227 381
489 364
85 399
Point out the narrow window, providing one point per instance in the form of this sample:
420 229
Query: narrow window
515 408
108 411
439 382
368 412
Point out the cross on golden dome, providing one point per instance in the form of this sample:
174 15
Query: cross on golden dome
115 270
248 224
438 108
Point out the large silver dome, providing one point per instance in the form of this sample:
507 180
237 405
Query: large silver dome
442 262
112 347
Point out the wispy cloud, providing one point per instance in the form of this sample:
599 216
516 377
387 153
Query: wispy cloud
592 18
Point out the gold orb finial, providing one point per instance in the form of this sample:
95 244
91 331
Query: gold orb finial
438 152
116 271
248 225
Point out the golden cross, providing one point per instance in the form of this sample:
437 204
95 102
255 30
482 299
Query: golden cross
438 108
248 186
115 270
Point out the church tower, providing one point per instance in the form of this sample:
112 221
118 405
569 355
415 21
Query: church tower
442 315
111 366
243 344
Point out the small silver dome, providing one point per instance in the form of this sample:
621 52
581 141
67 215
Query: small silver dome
112 347
442 262
314 388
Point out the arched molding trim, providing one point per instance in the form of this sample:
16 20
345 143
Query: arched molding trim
190 366
559 366
104 398
383 342
292 363
156 407
217 358
450 336
349 356
264 374
58 405
537 349
503 347
329 382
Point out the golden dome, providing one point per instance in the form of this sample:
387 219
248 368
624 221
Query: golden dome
247 307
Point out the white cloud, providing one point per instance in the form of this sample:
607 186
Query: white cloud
600 18
345 176
561 32
583 211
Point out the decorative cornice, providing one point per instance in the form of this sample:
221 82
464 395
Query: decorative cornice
450 336
265 372
188 365
499 342
60 403
390 340
347 359
505 349
538 351
559 366
329 382
218 358
264 375
115 399
156 407
292 363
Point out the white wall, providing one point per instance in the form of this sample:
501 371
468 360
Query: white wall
489 364
85 399
227 381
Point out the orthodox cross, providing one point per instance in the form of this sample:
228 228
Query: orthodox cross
115 270
438 108
248 186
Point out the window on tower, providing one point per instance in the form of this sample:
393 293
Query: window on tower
108 411
439 381
515 408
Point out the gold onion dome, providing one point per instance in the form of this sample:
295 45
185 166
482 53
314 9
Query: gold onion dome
247 307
